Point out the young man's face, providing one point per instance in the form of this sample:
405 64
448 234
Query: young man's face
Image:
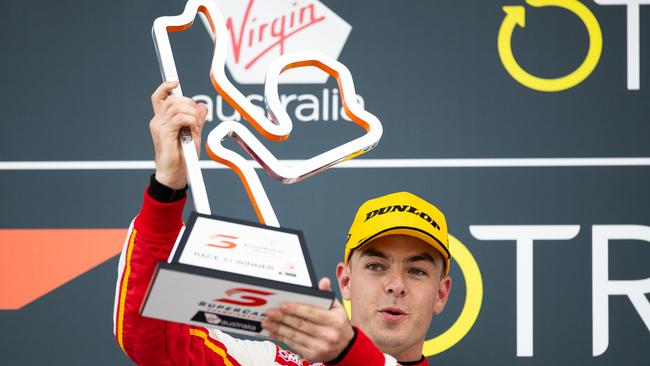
396 285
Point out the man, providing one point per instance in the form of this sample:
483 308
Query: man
394 272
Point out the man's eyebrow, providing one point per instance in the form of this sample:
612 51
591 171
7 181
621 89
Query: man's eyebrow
421 257
415 258
373 253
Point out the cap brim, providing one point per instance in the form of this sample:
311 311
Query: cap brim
413 232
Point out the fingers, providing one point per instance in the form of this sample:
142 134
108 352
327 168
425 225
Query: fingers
290 336
294 322
202 111
160 94
325 284
312 345
313 340
337 305
177 112
295 344
172 114
309 319
174 104
169 110
309 313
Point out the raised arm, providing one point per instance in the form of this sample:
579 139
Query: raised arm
171 113
150 240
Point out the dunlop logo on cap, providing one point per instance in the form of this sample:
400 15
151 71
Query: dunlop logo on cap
402 208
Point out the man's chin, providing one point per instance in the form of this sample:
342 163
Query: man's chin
388 340
397 328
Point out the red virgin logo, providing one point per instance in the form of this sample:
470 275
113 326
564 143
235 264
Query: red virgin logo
260 31
260 37
245 297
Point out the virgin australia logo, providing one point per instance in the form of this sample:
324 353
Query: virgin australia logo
259 31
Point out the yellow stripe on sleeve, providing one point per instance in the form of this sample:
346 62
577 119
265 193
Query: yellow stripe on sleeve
216 349
125 283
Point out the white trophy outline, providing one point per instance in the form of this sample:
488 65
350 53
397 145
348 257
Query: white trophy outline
277 127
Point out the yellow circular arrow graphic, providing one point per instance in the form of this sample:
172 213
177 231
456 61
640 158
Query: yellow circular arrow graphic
516 15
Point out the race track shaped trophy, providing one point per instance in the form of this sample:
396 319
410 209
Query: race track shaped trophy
226 273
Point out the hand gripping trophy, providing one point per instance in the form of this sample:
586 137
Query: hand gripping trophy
223 272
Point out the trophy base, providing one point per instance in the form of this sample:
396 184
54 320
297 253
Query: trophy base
230 302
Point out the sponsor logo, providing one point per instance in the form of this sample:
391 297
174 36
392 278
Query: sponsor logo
228 310
308 107
288 269
402 208
223 241
212 318
286 358
245 297
260 31
225 321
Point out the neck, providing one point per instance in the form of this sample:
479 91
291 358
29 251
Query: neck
412 353
420 361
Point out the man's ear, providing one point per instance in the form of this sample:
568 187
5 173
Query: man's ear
343 277
442 295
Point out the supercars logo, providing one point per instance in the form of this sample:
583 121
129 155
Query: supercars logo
260 31
223 241
245 297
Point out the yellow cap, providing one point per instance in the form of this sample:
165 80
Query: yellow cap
399 213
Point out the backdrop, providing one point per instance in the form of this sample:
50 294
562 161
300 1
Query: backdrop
527 125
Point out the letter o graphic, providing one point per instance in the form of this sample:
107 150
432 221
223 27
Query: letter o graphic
473 300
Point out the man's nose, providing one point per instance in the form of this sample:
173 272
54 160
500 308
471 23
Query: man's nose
395 284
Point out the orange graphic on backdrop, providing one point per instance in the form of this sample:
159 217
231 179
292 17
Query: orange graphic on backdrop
36 261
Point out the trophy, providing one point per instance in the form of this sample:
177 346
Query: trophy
226 273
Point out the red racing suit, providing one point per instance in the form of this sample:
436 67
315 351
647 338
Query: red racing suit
156 342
